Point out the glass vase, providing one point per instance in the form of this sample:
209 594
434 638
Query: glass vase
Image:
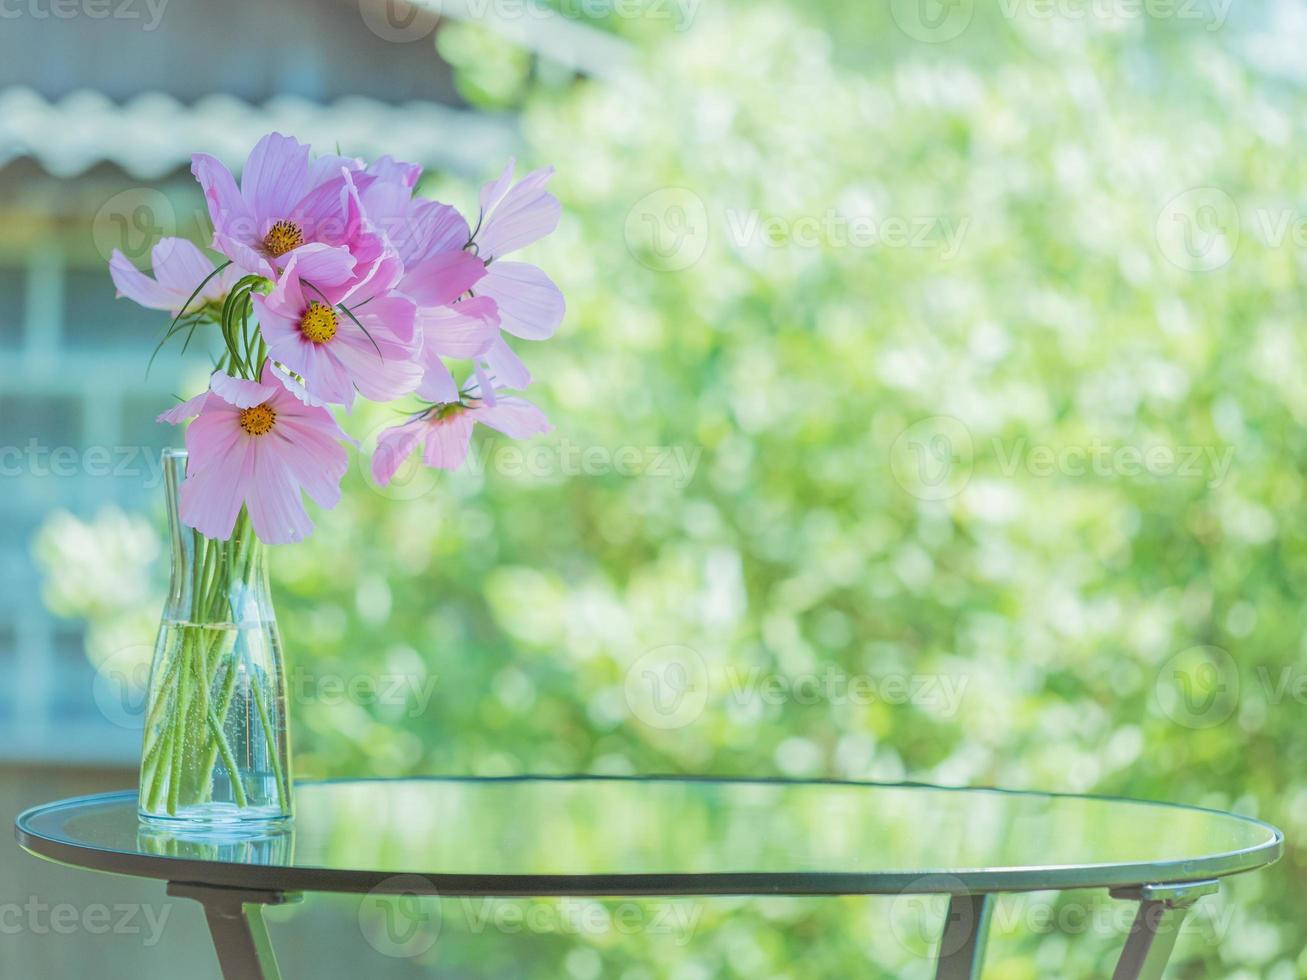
216 750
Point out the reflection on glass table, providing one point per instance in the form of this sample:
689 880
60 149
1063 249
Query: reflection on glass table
676 836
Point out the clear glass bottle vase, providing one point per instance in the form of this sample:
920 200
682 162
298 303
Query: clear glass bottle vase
216 749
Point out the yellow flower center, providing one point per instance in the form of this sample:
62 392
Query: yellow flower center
259 420
282 237
319 323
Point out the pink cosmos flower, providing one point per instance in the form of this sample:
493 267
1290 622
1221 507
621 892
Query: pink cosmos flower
255 444
530 305
449 325
179 267
335 353
444 432
288 206
465 330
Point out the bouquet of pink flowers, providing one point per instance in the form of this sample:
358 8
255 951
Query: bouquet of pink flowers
336 280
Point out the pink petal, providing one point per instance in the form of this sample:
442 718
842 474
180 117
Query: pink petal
438 384
493 192
366 243
515 417
530 305
181 267
278 325
447 442
231 218
275 177
213 436
275 502
328 167
387 207
294 405
323 265
240 392
393 446
316 460
443 278
211 496
325 377
485 385
323 213
246 258
392 171
287 295
389 319
379 378
182 411
525 213
431 228
466 329
505 366
135 285
301 394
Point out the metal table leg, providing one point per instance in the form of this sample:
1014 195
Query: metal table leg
962 947
1162 910
240 937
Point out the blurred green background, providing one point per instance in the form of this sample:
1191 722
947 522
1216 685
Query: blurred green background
950 346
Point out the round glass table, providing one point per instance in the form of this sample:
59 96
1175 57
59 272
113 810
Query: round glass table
674 836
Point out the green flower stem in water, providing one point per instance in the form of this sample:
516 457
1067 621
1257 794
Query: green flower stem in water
185 721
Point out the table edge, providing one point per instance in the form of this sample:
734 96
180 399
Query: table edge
940 881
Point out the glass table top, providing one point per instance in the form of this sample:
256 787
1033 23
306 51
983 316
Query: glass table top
666 836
